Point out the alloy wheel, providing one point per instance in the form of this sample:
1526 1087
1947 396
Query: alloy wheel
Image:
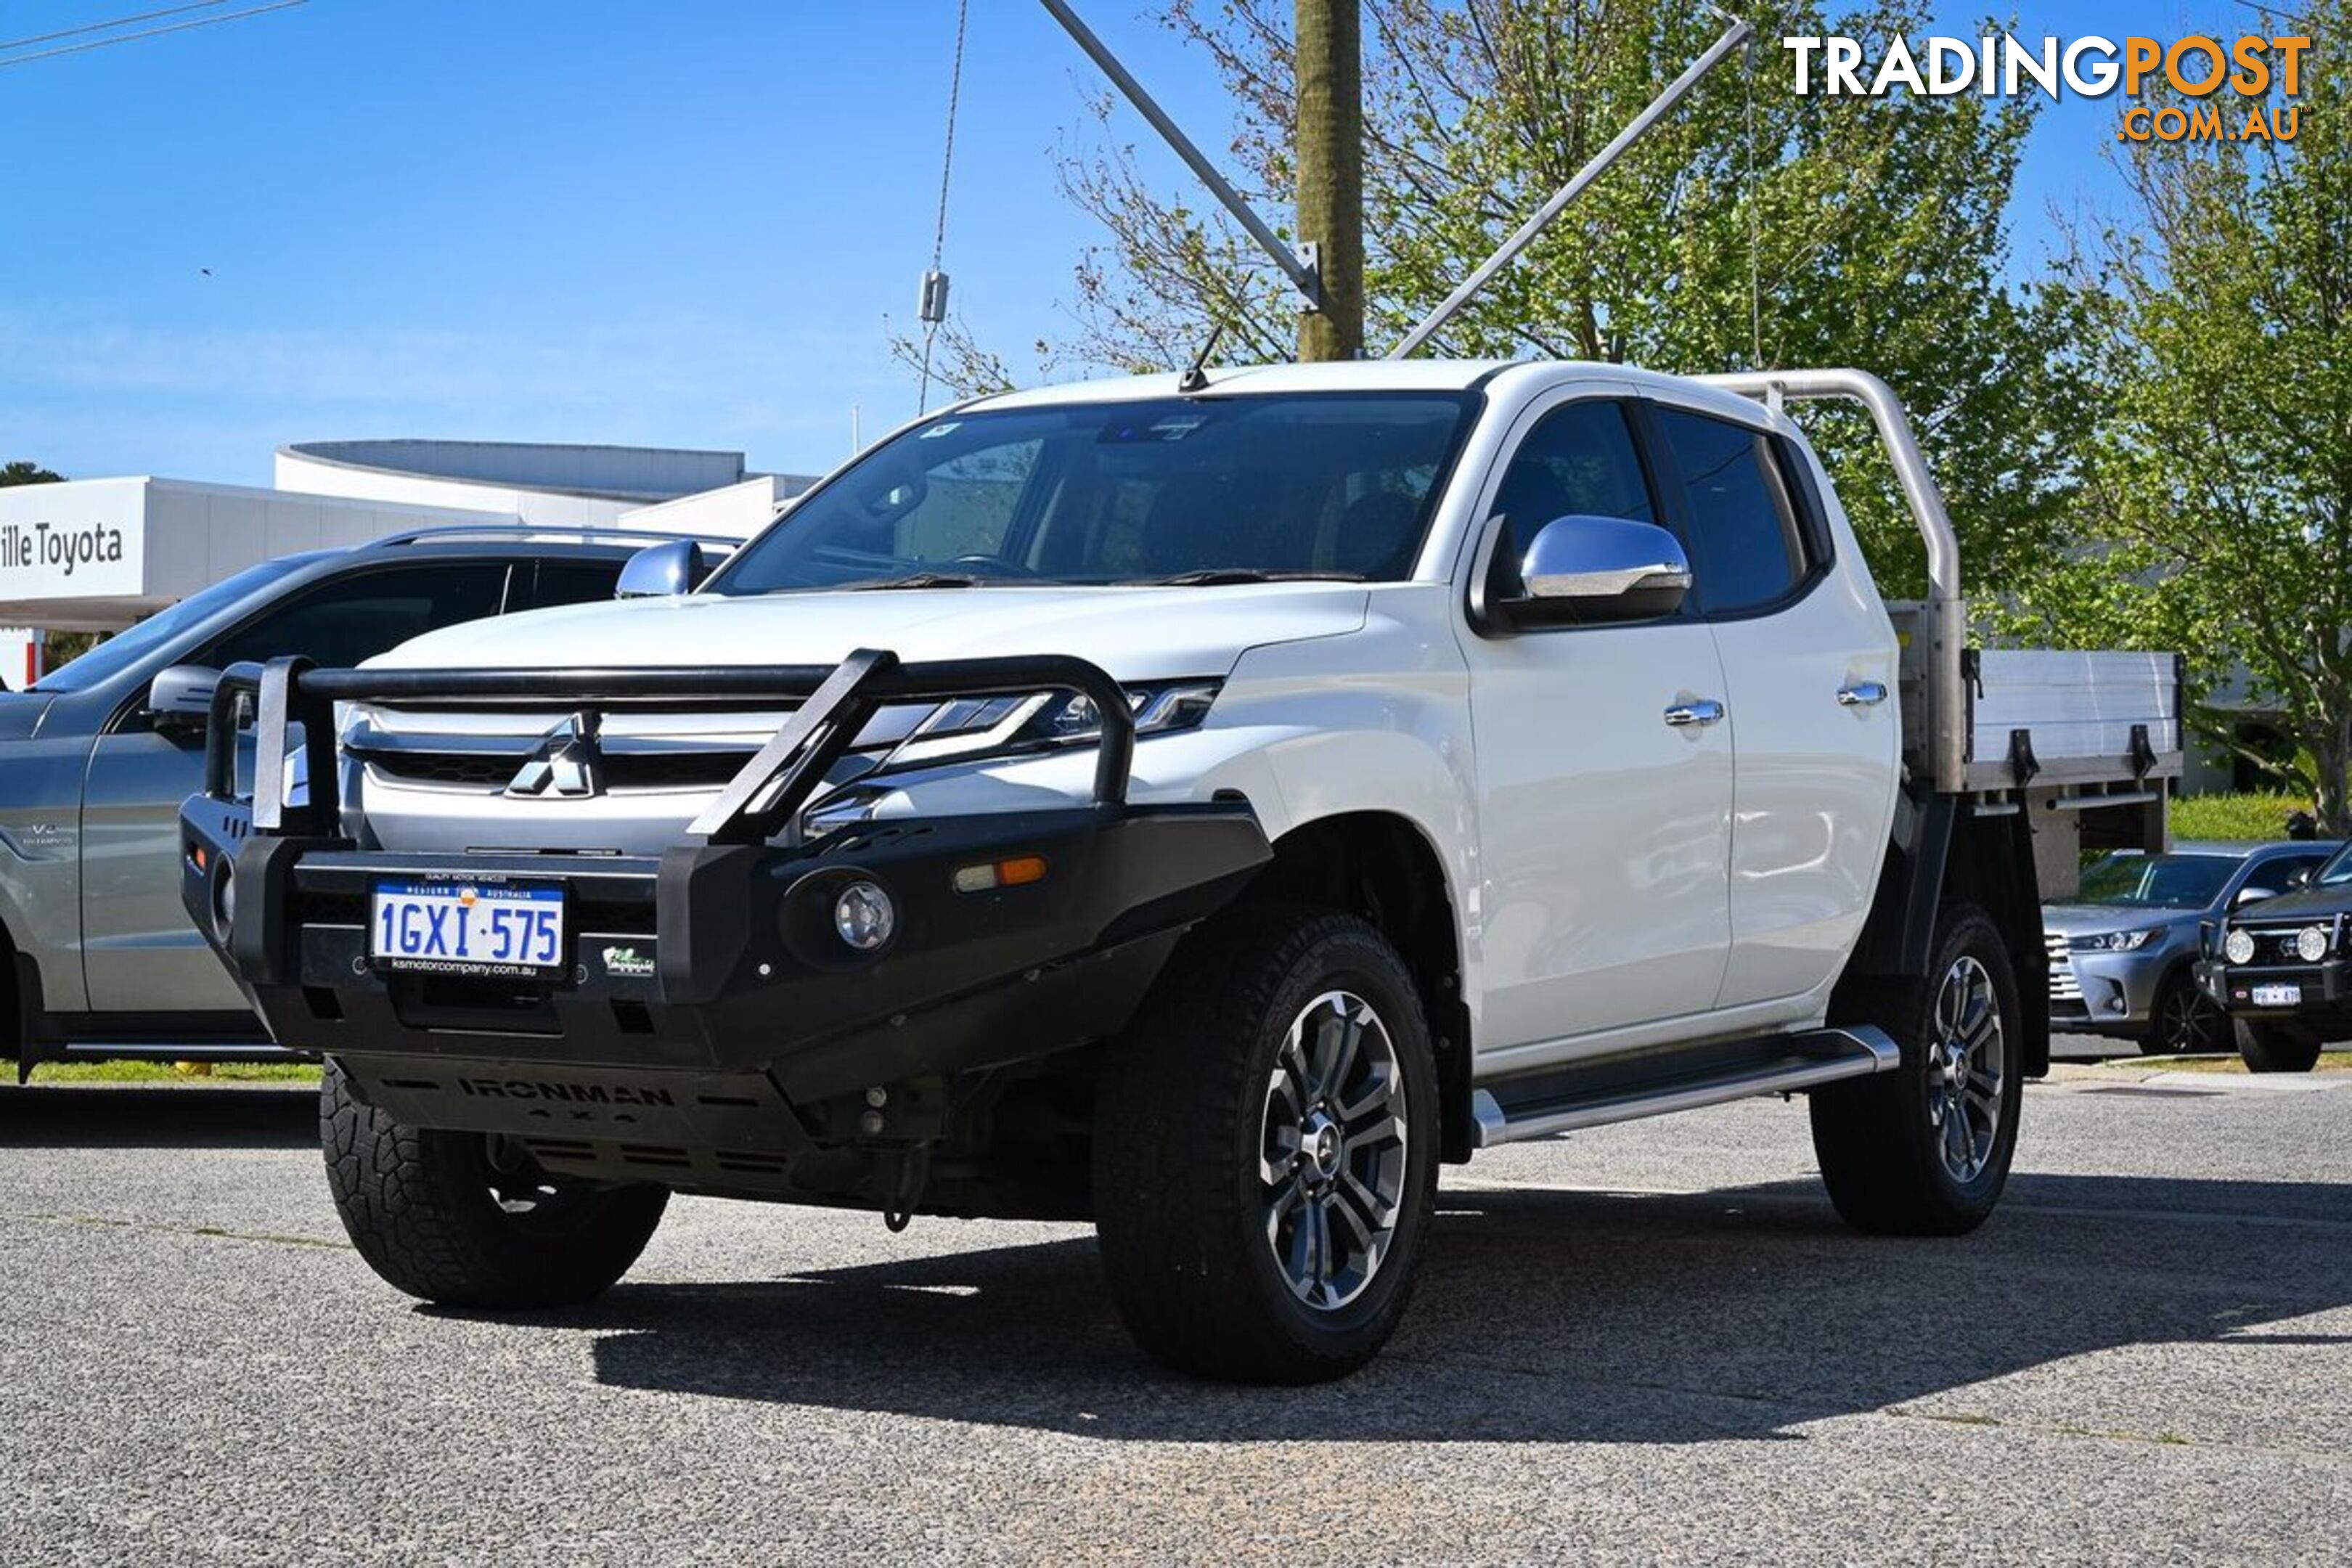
1331 1160
2186 1020
1968 1065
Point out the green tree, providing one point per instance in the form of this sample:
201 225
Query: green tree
1752 229
2216 511
22 473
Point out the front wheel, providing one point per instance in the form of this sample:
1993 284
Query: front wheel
1924 1149
467 1220
1265 1149
2276 1048
2186 1021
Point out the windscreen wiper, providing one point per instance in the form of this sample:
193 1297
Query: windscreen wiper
1215 576
920 580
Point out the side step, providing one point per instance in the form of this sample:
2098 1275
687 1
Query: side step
1623 1089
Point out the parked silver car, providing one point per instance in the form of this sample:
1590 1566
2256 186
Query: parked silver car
97 958
2121 951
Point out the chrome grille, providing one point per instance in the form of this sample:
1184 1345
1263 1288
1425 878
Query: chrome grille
2064 986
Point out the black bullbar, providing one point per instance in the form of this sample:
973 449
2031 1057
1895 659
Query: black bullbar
1010 936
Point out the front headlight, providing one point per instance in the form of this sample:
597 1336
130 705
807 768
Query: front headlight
2239 947
969 729
2311 943
2114 940
976 727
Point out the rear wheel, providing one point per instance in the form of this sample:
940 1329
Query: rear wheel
470 1220
2185 1021
1265 1148
2276 1048
1924 1149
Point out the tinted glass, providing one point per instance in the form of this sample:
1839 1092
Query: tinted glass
339 624
2276 874
574 582
2156 881
1743 526
1578 461
1323 484
120 651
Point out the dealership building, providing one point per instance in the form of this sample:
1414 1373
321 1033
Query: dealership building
99 555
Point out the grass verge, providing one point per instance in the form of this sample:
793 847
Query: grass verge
165 1072
2239 818
2329 1061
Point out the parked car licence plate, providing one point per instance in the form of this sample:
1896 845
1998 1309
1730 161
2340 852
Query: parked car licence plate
2278 996
512 928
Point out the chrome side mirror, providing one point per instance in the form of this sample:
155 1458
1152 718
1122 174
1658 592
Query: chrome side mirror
181 698
1581 569
660 570
2250 896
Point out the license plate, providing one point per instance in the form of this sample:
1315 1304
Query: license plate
513 929
2278 996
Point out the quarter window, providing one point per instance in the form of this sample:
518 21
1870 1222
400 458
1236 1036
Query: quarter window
1742 520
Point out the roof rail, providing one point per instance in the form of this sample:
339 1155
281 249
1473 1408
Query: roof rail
550 534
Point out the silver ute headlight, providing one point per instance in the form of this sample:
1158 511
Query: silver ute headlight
976 727
2114 940
2239 947
2311 943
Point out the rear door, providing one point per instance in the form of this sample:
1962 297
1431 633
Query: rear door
140 954
1603 830
1809 657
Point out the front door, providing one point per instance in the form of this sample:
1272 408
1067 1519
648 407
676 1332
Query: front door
1603 827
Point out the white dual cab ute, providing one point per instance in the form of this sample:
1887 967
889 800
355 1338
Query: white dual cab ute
1202 807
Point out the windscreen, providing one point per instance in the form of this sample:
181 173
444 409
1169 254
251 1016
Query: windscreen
1201 489
126 648
2339 869
2156 881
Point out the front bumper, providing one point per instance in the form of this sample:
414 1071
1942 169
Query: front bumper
714 970
2108 993
2326 987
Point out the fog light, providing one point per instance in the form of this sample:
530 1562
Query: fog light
225 900
2240 947
2311 943
864 917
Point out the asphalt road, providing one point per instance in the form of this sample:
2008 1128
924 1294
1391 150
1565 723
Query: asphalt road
1653 1343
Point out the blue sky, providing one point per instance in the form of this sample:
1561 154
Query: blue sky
679 224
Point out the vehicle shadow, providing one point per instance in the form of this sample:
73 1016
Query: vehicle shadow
1541 1316
101 1116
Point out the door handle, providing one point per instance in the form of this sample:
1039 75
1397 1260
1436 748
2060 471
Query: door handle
1696 715
1862 694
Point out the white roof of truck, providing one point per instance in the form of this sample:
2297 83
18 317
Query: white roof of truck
1376 375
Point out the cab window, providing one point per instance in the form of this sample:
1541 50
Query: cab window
1744 531
1579 460
340 623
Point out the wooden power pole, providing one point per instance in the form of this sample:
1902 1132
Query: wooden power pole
1330 158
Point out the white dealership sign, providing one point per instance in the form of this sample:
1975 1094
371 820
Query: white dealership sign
74 541
98 554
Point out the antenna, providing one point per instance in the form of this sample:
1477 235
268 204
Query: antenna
1508 251
1196 375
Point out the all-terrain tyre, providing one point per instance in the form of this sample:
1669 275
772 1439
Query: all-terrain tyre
2184 1020
1265 1149
1924 1149
464 1220
2276 1048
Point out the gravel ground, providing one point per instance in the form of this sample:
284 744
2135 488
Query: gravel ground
1651 1343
